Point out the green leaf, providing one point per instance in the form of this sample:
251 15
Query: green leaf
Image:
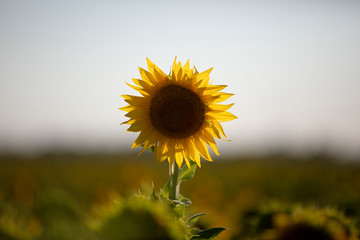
165 191
186 173
193 219
195 231
152 149
208 234
179 208
153 195
184 200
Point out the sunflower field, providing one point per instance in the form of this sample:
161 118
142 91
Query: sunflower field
68 196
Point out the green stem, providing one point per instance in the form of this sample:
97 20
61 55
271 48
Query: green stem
174 185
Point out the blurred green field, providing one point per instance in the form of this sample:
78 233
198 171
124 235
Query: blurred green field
57 194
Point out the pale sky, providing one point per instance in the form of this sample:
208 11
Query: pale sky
294 67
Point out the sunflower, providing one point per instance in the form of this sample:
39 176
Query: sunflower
178 114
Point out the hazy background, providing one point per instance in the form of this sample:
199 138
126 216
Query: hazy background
292 65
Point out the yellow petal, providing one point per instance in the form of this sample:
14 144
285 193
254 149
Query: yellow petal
150 142
211 141
187 70
209 98
154 69
160 151
220 107
136 114
162 79
143 136
214 88
204 76
174 65
202 148
222 97
137 126
186 158
178 158
219 128
197 159
196 71
187 66
130 97
206 73
194 155
221 116
136 100
179 76
127 108
130 121
147 85
140 90
134 87
147 77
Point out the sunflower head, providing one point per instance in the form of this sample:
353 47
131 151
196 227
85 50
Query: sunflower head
178 114
282 221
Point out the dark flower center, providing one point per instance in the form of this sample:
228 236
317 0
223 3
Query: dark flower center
176 111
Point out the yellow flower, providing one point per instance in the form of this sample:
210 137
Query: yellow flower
178 114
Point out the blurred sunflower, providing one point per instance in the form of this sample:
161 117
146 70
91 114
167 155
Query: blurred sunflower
277 221
178 114
136 218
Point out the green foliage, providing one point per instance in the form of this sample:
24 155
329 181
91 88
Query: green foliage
15 225
208 234
60 216
186 173
59 196
140 217
179 206
164 193
194 218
